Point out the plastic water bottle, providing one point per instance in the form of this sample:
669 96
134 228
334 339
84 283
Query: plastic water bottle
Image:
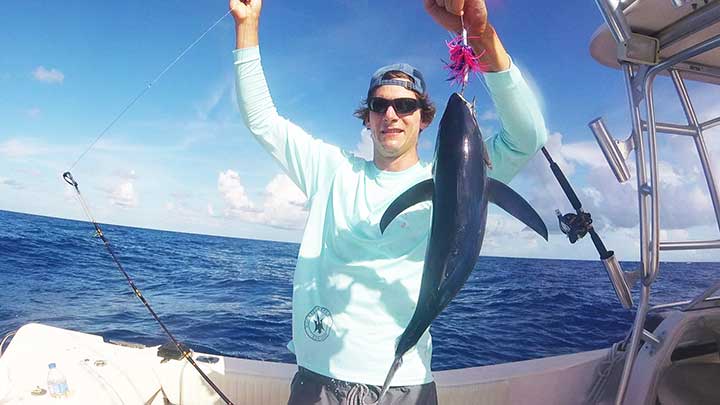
56 381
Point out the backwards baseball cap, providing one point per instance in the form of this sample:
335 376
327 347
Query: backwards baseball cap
417 84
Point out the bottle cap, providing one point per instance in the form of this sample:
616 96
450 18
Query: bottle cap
51 365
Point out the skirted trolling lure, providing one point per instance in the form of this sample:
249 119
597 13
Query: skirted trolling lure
463 59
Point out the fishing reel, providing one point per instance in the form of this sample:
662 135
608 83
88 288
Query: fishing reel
575 226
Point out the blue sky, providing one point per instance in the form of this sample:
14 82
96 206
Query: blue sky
182 160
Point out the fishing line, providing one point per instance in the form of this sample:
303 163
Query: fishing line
145 89
67 176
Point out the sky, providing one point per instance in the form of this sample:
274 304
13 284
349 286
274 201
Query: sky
181 159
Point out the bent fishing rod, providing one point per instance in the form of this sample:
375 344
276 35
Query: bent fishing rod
68 177
576 225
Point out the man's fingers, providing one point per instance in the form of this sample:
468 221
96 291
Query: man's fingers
454 6
476 15
440 14
451 6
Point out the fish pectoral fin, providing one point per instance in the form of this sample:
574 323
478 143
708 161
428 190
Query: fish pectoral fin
418 193
510 201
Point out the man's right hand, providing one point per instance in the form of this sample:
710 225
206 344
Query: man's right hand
247 16
245 10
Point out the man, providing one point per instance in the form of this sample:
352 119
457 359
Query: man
355 289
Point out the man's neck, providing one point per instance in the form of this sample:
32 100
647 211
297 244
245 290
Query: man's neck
397 164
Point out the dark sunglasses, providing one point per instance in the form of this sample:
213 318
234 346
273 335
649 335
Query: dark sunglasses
400 105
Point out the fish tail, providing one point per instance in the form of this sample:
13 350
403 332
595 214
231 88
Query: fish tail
386 385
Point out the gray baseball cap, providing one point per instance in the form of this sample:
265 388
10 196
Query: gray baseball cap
418 83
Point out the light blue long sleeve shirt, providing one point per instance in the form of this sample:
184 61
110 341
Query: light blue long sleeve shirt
355 289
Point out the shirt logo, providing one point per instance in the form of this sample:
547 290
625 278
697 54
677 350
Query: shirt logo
318 323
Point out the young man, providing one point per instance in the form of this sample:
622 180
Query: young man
355 289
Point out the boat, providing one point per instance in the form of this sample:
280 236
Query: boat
670 355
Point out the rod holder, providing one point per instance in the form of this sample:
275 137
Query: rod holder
616 152
612 12
621 281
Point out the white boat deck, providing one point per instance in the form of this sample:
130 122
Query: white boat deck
104 373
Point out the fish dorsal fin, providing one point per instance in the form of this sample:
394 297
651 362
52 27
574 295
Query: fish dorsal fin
506 198
418 193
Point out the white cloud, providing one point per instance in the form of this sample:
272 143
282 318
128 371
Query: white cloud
543 191
612 204
584 166
675 234
503 230
283 204
585 153
48 75
233 193
364 148
683 193
123 194
16 148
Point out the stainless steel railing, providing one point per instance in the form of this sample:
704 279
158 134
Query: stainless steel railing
640 75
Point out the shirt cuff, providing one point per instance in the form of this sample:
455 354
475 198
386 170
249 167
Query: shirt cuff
246 54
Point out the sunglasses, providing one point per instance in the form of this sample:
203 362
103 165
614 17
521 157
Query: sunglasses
400 105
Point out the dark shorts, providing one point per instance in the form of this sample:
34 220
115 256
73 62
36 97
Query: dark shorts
311 388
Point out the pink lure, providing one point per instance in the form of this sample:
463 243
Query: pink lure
462 61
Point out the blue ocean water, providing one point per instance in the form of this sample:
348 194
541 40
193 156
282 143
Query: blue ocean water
233 296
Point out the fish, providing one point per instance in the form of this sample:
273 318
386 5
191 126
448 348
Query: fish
460 190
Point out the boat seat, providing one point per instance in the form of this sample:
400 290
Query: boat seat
690 383
693 376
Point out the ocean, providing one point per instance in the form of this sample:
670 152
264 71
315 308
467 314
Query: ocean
232 296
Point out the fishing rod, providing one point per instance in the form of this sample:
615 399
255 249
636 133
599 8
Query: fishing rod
576 225
68 177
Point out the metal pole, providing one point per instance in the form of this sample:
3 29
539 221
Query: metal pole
653 244
702 297
673 129
690 245
699 140
637 334
710 124
615 19
634 100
